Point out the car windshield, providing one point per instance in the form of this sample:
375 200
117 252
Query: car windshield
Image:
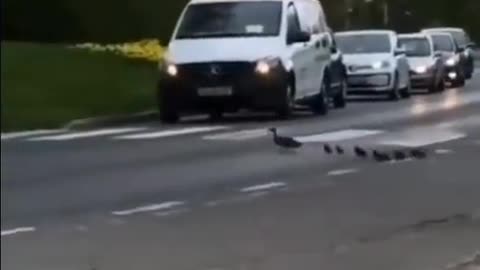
443 43
460 38
364 43
415 47
234 19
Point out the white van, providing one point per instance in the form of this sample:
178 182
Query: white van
226 55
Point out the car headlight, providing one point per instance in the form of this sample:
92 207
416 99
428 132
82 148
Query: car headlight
421 69
265 65
381 64
451 61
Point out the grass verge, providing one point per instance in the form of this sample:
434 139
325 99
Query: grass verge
45 86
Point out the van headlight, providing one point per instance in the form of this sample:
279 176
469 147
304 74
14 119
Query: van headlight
265 66
168 67
381 64
172 70
451 61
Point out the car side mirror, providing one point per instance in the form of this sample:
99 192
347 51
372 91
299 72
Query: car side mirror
400 51
438 54
472 45
334 50
298 37
460 50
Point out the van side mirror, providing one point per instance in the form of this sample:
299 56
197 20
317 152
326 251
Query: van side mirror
333 50
298 37
438 54
460 50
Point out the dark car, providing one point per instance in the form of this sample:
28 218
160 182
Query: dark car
338 75
445 46
465 44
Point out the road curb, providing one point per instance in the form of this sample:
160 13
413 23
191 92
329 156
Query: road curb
103 121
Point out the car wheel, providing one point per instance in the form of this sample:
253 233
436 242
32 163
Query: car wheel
406 92
436 86
286 109
460 82
395 93
321 101
340 99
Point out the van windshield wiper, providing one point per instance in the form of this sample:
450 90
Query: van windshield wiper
214 35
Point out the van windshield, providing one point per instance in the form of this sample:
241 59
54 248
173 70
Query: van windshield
232 19
364 43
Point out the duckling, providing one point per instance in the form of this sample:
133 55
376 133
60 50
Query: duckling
328 149
381 157
360 152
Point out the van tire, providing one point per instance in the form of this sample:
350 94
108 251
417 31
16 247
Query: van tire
340 99
285 110
167 114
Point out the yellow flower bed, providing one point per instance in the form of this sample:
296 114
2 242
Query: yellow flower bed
147 49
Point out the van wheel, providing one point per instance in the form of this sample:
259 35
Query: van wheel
286 108
167 114
215 115
340 99
394 94
169 117
321 101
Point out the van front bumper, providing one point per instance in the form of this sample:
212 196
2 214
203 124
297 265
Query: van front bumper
241 89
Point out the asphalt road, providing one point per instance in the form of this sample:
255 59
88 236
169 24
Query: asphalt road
222 196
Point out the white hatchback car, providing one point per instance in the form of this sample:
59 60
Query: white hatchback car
375 63
225 55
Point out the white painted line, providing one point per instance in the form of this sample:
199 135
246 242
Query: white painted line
238 135
443 151
473 120
17 230
169 133
341 135
263 187
422 137
149 208
87 134
22 134
342 172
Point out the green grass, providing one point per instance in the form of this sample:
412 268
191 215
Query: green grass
45 86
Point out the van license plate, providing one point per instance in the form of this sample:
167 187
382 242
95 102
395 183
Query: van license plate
215 91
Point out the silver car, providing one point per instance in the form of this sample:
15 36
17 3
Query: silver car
427 69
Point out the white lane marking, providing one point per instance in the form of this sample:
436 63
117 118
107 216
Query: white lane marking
87 134
473 120
149 208
422 137
341 135
22 134
169 133
238 135
17 230
263 187
341 172
443 151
